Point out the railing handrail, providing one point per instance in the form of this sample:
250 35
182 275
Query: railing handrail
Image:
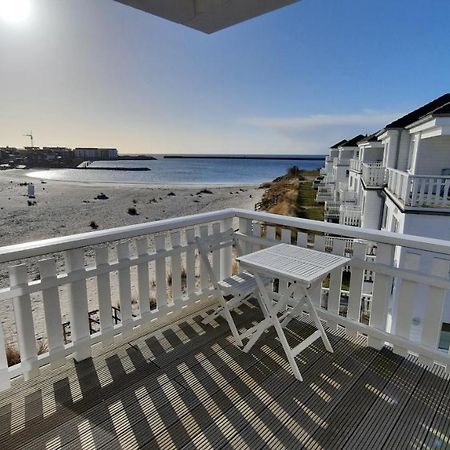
381 236
59 244
412 175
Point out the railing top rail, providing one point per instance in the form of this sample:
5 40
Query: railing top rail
59 244
385 237
43 247
412 175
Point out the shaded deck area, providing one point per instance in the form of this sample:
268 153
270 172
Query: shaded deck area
188 386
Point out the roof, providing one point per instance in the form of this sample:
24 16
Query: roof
339 143
442 102
353 142
370 138
442 111
207 15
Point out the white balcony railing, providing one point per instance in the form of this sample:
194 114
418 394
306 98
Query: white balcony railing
427 191
342 161
131 265
324 193
332 210
350 215
355 164
373 174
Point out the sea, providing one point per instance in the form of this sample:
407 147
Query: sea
184 171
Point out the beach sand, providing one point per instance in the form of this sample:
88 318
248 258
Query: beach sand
65 208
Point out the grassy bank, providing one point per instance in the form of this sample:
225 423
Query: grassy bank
292 195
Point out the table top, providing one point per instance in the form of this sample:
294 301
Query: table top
292 262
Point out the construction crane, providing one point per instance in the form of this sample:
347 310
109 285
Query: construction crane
30 135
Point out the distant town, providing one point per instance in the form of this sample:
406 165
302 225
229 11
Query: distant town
53 157
64 157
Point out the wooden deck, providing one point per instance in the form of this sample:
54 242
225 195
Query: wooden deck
188 386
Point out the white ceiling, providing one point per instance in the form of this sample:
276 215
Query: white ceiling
207 15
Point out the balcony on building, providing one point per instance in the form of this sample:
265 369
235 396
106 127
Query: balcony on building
421 176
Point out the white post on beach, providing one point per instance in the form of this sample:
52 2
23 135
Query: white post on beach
30 191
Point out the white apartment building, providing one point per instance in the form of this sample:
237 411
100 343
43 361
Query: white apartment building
398 180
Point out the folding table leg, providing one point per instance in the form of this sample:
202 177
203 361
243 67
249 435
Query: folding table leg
318 323
270 314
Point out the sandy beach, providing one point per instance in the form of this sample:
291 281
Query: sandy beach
65 208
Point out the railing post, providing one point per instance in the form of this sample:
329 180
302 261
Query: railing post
52 313
245 227
226 254
24 323
78 305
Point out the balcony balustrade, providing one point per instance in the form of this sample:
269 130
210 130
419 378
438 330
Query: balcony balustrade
160 378
350 215
324 193
355 164
425 191
131 265
373 174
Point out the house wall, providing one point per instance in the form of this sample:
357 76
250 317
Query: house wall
433 155
371 154
372 209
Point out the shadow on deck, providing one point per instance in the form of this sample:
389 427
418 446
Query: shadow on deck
188 386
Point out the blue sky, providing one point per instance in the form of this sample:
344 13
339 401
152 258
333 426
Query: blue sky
97 73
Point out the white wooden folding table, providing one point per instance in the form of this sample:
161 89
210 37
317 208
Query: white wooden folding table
303 269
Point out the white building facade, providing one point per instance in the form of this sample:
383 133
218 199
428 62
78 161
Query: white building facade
399 181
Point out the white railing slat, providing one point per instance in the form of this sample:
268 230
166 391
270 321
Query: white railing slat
78 305
104 296
176 268
143 277
52 313
216 252
160 272
226 254
123 255
204 277
190 262
356 284
334 294
381 294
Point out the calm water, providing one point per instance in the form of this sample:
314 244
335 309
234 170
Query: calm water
184 171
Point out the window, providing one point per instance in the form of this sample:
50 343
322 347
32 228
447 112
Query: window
347 172
351 182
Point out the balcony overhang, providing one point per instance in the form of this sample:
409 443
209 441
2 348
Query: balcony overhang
207 16
433 127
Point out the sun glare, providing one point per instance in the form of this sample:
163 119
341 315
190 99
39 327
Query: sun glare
15 11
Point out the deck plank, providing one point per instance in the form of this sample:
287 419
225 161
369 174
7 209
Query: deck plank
188 386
